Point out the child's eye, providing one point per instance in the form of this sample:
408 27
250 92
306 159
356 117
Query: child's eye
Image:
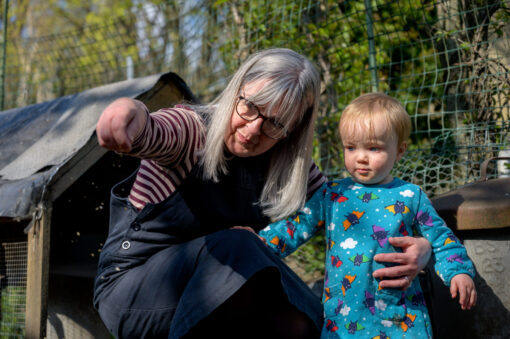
349 148
374 149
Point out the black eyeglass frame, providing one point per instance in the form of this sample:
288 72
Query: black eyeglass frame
264 118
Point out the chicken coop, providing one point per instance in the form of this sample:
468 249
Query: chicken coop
55 183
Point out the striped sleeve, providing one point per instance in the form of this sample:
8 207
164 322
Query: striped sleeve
168 146
315 180
170 136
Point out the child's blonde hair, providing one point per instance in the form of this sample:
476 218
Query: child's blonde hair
362 112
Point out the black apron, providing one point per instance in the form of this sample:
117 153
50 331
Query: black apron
166 267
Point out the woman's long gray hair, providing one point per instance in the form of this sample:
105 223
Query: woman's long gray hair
293 88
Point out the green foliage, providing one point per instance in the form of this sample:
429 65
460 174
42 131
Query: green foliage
12 308
308 261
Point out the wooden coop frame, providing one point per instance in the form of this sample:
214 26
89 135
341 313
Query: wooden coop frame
33 212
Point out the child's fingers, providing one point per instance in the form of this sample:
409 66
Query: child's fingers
246 228
471 297
474 296
263 239
463 296
453 289
463 286
459 289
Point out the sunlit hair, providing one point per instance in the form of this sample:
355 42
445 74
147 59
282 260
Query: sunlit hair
292 90
368 109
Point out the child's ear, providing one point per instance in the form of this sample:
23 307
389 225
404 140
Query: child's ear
401 150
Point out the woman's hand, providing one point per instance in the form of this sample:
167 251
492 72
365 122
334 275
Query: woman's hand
120 123
416 254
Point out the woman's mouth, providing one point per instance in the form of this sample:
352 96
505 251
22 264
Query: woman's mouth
243 139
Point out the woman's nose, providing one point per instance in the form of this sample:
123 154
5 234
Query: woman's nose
255 126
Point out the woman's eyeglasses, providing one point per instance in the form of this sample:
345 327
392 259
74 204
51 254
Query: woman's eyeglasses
248 111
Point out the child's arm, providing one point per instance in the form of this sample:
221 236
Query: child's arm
285 236
463 285
452 263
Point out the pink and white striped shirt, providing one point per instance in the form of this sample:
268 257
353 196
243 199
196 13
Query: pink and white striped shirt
168 147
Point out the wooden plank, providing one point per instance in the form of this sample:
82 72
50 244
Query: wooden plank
37 275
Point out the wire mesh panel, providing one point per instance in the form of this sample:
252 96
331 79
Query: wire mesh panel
447 62
13 280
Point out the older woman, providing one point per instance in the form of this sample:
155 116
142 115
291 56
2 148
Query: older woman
172 265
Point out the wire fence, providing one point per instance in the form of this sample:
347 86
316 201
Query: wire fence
447 61
13 266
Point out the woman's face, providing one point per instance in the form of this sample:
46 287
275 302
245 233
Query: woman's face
245 138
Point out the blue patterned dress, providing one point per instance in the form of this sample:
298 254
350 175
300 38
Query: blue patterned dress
358 220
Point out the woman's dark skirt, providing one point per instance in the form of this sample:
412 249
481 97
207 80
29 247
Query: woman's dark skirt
174 288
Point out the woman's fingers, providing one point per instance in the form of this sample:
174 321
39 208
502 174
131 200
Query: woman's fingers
401 283
120 123
416 252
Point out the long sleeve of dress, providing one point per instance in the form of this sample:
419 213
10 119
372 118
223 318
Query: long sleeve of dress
450 255
285 236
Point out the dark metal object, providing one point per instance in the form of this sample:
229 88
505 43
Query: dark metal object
484 204
479 214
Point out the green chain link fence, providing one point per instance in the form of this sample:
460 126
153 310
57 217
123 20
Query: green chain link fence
447 61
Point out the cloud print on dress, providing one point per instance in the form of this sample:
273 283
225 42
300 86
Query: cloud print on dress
345 311
407 193
307 210
386 323
380 304
349 243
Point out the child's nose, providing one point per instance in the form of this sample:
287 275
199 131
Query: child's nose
362 157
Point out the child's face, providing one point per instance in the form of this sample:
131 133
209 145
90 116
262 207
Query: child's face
369 159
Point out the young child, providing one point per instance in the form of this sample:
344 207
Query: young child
360 213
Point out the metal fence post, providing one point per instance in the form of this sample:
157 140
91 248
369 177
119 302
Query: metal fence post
371 45
4 48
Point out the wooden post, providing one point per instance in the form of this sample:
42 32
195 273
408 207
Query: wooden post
37 274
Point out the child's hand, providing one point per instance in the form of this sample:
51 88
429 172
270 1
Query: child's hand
248 228
466 289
